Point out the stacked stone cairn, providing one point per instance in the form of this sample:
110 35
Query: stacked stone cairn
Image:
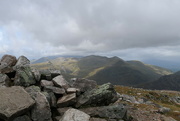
44 95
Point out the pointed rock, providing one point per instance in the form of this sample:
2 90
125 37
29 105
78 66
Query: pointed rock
22 61
61 82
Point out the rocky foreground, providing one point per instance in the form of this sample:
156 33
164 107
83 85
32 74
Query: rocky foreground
44 95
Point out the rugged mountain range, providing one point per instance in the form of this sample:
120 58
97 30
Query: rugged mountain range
103 69
167 82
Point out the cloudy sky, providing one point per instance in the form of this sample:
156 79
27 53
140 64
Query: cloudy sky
130 29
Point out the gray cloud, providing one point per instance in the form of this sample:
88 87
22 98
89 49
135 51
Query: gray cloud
89 26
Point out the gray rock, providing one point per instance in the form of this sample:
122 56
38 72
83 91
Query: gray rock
36 74
22 118
24 76
14 102
72 90
6 63
49 74
164 110
22 61
112 112
61 82
100 96
61 111
4 80
46 83
51 98
83 84
129 98
41 111
53 89
75 115
67 100
97 119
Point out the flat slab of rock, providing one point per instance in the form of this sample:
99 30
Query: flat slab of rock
100 96
61 82
75 115
53 89
83 84
46 83
41 111
97 119
14 101
67 100
72 90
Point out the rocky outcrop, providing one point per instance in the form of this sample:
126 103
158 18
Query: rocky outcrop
100 96
75 115
14 101
44 95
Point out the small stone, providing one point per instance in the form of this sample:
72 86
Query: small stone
72 90
46 83
75 115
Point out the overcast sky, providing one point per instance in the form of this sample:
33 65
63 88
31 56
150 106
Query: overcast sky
130 29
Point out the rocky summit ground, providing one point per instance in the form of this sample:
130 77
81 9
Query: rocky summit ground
44 95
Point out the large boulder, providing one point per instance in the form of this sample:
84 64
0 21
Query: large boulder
41 111
24 76
113 112
75 115
67 100
6 63
22 61
100 96
83 84
14 101
61 82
